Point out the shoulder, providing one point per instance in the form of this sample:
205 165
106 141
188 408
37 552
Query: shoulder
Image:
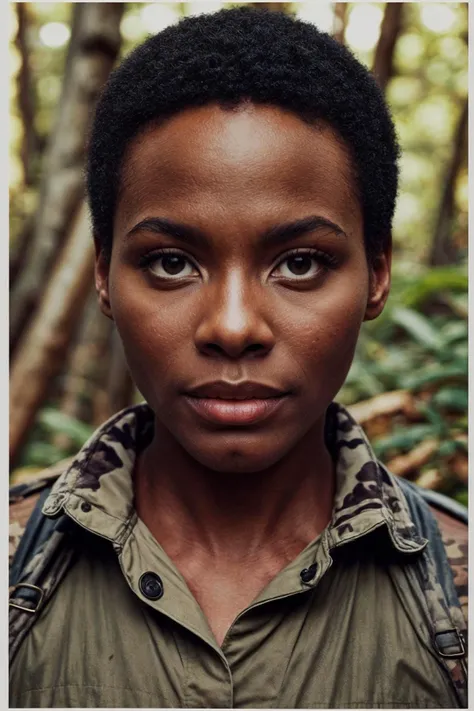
23 499
440 517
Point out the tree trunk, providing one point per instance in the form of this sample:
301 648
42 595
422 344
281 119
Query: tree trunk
41 351
383 58
340 21
26 97
94 46
86 368
19 248
442 250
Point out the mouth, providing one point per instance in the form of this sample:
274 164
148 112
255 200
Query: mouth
228 404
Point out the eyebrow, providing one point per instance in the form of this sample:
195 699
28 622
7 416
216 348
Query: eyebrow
275 235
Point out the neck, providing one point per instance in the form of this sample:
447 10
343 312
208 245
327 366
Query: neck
281 509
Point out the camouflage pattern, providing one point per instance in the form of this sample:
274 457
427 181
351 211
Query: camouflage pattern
455 539
367 497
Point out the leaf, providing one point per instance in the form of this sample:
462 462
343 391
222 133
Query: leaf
448 448
437 279
361 374
404 438
454 331
433 415
455 399
434 374
418 327
55 421
41 454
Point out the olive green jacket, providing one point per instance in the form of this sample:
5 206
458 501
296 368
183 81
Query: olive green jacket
358 620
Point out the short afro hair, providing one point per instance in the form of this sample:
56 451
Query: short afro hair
239 55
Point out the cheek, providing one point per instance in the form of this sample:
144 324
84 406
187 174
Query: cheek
326 334
153 330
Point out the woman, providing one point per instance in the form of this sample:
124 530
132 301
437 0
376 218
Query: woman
234 541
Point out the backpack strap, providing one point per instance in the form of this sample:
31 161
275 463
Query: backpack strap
27 536
449 628
39 558
444 523
454 535
23 499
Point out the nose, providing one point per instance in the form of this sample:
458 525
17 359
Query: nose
232 324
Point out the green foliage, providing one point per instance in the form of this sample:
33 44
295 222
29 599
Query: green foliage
419 344
402 439
406 348
40 450
54 421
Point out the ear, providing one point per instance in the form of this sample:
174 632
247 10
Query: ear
379 287
101 275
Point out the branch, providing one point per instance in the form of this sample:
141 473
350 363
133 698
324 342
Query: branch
405 464
26 96
86 366
389 403
340 21
442 251
19 248
41 351
383 59
95 42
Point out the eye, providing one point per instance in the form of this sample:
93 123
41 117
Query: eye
299 265
168 265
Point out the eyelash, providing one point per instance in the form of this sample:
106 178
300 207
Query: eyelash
147 259
327 261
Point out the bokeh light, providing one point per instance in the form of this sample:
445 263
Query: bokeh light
131 27
54 34
439 17
363 27
409 50
198 8
320 14
434 119
156 16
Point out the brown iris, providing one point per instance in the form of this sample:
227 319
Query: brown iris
300 264
173 264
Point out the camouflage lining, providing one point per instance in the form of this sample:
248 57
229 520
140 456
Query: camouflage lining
366 495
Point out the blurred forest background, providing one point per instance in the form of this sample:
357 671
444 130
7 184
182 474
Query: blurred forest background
408 384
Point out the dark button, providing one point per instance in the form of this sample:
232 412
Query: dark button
85 506
151 586
307 574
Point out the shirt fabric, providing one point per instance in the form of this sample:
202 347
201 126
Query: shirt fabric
353 636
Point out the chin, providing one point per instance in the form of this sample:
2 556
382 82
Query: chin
238 454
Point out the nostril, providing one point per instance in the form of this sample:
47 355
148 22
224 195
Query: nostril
213 349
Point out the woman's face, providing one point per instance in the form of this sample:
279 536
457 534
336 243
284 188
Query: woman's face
238 257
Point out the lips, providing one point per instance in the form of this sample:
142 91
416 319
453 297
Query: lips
229 404
247 390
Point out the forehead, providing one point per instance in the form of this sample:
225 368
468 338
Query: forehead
253 159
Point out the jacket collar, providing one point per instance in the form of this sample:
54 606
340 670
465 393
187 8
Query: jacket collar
97 488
